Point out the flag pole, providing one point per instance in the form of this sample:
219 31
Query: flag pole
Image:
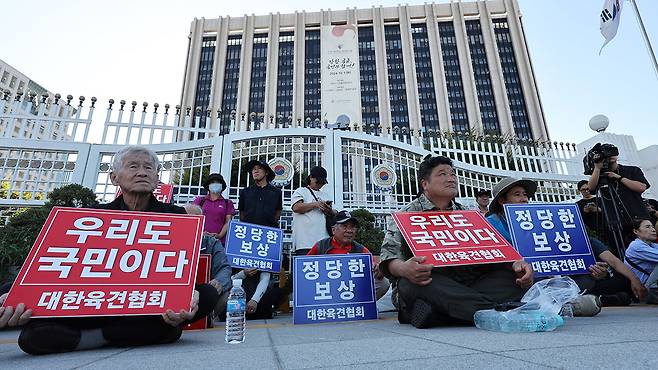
652 55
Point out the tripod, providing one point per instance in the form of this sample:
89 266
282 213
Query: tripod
611 216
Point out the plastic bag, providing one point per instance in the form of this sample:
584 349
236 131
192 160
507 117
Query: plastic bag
550 295
543 303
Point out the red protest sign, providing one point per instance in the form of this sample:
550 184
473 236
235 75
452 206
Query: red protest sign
163 192
91 262
202 277
454 238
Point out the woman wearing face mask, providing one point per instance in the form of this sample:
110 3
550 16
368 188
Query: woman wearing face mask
218 210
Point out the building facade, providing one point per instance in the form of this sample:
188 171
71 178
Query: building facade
26 98
458 67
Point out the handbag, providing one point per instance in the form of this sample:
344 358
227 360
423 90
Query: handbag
330 220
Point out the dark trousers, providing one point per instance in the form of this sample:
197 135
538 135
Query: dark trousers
42 336
4 288
615 284
264 308
585 282
461 298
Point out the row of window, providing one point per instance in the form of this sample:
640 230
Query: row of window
518 110
397 89
488 113
395 69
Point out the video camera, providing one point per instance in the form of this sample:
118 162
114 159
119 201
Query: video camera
600 152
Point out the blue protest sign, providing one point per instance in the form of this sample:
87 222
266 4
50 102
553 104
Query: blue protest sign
335 287
254 246
551 237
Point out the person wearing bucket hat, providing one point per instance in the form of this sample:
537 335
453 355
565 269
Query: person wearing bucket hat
255 164
261 202
430 296
512 190
218 210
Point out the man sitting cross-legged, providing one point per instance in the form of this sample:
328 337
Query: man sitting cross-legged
431 296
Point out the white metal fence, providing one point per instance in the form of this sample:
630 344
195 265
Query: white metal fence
42 148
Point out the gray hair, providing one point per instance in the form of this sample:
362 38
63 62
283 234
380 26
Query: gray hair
117 160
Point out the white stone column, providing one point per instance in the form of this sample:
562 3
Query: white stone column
383 95
409 63
466 69
438 72
219 68
526 75
244 81
298 67
496 73
193 59
272 68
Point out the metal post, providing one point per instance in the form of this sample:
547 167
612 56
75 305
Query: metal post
646 38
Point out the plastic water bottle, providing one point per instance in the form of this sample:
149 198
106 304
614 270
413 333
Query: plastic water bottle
517 321
235 313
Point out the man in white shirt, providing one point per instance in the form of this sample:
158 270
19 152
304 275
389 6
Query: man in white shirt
310 207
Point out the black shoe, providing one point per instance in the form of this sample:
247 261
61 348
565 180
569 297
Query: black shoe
403 317
617 299
652 296
44 337
422 316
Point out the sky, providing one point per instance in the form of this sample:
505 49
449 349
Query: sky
136 50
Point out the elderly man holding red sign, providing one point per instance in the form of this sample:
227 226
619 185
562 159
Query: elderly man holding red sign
135 170
434 296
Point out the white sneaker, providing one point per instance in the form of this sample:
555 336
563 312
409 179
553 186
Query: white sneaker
585 305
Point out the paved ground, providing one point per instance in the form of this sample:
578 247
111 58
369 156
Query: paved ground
617 338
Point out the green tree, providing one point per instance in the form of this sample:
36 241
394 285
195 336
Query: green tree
72 195
368 234
18 236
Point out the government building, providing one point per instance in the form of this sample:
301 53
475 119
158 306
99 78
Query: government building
459 67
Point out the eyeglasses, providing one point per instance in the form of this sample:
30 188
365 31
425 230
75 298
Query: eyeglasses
584 189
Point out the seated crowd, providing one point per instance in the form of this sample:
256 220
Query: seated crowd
424 296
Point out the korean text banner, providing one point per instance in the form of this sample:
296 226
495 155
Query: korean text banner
91 262
550 237
254 246
339 66
454 238
336 287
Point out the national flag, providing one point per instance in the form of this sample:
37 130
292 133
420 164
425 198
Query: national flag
610 16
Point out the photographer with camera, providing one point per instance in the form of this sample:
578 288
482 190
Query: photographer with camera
625 184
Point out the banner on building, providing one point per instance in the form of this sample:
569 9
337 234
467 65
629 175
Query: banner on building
454 238
550 237
336 287
91 262
254 246
340 76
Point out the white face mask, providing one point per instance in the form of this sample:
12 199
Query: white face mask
215 188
